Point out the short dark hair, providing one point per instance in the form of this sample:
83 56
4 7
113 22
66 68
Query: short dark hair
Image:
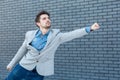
39 14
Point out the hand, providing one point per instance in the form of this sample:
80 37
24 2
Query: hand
8 68
95 26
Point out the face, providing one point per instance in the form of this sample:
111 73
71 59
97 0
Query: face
44 21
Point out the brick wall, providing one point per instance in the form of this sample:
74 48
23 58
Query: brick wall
93 57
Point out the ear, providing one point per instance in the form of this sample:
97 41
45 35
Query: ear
37 23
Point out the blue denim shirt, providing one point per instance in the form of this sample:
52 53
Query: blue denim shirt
40 40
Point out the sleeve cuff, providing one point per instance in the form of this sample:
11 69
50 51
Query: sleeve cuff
87 29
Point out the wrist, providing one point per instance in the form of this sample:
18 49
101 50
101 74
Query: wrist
91 30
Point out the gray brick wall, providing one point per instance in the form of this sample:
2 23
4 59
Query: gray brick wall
93 57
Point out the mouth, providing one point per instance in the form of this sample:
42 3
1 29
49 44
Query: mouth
48 23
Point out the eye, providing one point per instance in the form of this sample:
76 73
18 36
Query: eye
44 18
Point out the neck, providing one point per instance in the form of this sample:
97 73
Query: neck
44 30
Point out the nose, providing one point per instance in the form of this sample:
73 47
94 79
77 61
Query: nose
48 20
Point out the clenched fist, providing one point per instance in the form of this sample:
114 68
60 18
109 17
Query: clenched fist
95 26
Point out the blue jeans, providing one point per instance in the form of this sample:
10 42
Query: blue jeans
19 73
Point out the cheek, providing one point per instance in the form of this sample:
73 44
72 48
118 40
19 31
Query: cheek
42 22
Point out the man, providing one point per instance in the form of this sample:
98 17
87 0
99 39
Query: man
35 57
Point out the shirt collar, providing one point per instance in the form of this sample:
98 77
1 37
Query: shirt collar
40 32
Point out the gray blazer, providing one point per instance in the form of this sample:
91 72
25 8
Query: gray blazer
29 58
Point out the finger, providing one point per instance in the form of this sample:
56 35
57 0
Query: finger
96 24
8 68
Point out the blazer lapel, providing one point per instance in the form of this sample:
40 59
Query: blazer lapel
32 36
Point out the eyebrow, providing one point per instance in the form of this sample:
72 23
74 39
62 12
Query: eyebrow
46 17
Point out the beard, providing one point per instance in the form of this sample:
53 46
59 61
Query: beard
48 25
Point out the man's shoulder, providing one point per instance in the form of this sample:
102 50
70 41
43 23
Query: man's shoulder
55 30
30 32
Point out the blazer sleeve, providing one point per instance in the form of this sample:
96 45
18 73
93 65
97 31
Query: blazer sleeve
20 53
68 36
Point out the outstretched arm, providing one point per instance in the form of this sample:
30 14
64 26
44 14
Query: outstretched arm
68 36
